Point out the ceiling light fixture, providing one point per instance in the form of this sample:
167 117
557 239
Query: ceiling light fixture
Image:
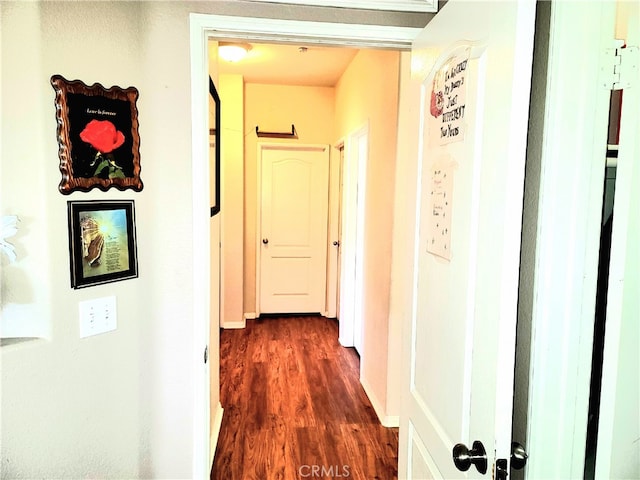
233 52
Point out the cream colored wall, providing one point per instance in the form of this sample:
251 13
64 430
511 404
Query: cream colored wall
368 92
232 186
274 108
25 295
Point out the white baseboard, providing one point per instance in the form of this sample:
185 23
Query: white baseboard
232 325
239 324
385 420
215 433
391 421
345 343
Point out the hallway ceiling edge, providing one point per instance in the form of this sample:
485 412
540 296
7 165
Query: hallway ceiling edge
290 64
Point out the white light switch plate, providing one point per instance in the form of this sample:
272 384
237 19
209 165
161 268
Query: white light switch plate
97 316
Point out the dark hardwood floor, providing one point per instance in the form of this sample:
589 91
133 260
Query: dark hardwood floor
294 408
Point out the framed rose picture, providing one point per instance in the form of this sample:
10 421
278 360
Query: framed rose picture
102 242
98 140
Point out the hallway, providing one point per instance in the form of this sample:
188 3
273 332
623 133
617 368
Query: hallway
294 407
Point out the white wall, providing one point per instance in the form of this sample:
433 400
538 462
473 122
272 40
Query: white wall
118 405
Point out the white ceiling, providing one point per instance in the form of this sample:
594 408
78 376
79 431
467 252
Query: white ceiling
286 65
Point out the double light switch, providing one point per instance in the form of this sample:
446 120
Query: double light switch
97 316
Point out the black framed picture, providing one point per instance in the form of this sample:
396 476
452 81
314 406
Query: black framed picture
102 242
98 139
214 167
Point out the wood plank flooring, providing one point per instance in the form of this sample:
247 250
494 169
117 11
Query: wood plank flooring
294 407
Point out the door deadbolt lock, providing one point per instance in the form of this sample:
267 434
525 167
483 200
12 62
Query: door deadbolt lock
518 456
518 461
463 458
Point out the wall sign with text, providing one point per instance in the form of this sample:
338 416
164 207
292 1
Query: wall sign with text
448 100
440 208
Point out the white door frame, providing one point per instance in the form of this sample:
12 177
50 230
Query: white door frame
352 242
201 27
334 231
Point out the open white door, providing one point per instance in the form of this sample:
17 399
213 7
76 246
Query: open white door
475 63
618 452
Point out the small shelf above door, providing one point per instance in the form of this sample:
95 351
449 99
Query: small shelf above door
293 134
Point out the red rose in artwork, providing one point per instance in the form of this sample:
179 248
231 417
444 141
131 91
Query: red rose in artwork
102 135
437 102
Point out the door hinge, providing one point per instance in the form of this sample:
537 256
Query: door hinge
620 67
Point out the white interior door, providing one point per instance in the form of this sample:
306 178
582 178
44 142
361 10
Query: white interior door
476 68
618 449
293 228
